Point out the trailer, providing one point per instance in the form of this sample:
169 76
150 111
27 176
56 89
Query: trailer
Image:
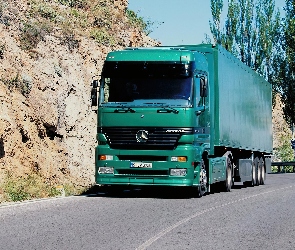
184 116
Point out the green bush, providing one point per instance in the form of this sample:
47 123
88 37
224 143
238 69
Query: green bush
12 83
73 3
23 84
47 12
285 152
33 33
4 19
103 37
30 187
34 186
1 8
286 169
135 20
2 50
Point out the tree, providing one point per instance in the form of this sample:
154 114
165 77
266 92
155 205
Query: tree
216 9
251 33
287 67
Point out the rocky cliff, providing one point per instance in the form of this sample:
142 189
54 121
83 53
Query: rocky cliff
50 50
49 53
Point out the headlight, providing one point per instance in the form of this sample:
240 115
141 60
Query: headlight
178 171
106 170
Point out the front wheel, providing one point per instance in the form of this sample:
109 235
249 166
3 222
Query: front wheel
200 190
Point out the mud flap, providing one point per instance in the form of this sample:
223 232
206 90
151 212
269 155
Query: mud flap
268 164
245 169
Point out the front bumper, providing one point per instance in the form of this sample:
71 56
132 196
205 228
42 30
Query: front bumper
157 175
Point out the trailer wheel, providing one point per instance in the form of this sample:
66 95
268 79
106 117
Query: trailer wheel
254 172
262 167
258 171
229 180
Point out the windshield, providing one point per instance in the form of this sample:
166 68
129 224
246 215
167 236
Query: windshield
147 84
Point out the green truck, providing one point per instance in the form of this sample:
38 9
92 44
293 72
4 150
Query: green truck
184 116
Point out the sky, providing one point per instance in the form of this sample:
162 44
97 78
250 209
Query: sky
180 21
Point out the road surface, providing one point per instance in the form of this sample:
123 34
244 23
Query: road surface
260 217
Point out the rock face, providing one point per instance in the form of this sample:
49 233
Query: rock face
46 123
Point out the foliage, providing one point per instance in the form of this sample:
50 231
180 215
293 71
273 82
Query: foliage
46 11
284 152
251 32
286 169
23 84
135 20
34 186
4 19
216 9
73 3
146 26
103 37
2 50
33 33
31 186
95 19
287 67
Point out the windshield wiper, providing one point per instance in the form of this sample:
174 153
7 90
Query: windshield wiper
124 110
167 110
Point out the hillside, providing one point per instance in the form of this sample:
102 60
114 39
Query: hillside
50 50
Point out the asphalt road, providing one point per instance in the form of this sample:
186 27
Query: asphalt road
260 217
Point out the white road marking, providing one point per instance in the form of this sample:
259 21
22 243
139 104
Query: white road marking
26 202
169 229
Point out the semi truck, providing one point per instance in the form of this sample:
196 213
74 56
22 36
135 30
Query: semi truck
182 116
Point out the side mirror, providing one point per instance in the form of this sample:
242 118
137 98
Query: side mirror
95 83
93 97
204 87
94 93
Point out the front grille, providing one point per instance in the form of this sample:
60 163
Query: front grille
143 173
141 158
158 138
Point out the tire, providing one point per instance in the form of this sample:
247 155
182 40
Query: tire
259 172
262 166
228 180
254 172
200 190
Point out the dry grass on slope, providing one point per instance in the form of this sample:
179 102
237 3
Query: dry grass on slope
101 20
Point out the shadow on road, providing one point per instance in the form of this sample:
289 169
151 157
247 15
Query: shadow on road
150 192
139 192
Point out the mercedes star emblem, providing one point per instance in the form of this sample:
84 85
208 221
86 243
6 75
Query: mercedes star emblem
142 136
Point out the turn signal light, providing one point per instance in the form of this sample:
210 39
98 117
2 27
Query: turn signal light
105 157
179 158
182 158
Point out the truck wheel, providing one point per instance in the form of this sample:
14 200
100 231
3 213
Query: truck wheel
258 171
254 172
202 188
262 166
229 180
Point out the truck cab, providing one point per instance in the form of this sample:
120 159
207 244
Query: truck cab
153 118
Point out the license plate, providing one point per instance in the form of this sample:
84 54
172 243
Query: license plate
141 165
